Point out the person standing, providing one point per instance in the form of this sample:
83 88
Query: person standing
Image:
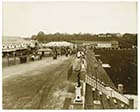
77 68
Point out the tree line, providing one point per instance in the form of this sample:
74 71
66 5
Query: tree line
126 40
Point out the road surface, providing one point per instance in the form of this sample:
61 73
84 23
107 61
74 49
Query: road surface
36 85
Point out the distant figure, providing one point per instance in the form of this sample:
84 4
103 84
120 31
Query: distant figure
83 65
55 55
78 54
67 53
33 57
77 64
78 80
7 55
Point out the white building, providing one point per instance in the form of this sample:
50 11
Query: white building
104 45
58 44
10 43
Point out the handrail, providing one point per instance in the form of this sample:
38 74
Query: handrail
106 89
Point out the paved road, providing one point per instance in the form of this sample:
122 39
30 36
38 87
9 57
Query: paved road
36 85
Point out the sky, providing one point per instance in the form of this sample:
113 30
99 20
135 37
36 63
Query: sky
28 18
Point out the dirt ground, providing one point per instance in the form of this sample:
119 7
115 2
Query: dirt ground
36 85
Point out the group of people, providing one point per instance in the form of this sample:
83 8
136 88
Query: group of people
62 51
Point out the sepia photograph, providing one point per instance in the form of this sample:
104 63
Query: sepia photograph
69 55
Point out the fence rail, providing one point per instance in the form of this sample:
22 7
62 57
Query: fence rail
106 90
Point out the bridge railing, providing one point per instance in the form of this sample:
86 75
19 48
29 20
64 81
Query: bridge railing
109 91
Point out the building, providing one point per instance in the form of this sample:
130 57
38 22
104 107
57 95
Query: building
104 35
103 44
58 44
110 35
13 44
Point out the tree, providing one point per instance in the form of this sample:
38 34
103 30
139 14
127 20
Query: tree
40 36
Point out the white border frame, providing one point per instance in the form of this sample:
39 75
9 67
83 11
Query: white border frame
138 51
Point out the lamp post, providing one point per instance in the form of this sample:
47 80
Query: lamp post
8 58
96 88
96 101
78 97
78 79
14 54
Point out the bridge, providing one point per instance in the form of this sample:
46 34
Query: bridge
50 84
